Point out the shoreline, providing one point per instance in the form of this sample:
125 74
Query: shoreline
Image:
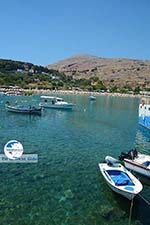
87 93
19 91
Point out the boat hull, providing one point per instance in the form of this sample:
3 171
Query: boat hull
129 196
69 106
24 111
145 121
144 113
137 168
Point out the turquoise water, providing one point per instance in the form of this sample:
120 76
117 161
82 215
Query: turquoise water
65 187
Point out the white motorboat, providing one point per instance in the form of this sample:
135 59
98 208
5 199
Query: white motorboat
92 98
120 180
137 162
55 103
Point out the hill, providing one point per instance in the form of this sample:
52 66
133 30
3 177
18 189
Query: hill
28 75
119 73
12 65
81 72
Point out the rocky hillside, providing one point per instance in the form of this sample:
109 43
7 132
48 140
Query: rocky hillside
113 72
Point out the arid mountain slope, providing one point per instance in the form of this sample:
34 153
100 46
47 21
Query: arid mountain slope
113 72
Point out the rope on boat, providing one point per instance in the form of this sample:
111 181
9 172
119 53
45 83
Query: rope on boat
148 202
130 215
131 207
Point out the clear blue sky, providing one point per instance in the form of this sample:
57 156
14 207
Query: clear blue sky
45 31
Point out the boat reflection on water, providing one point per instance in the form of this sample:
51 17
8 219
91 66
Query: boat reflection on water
142 140
143 132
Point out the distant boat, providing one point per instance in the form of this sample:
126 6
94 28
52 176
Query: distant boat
55 103
13 93
92 98
119 179
23 109
137 162
144 112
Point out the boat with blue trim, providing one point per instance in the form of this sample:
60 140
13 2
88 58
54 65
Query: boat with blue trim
144 112
119 179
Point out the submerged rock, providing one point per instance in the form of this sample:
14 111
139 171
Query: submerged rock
137 222
62 199
106 212
110 213
68 194
38 177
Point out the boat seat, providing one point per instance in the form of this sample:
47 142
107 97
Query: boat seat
120 178
121 181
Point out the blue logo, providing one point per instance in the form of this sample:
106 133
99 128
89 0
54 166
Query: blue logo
13 149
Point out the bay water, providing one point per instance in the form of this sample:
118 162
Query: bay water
66 187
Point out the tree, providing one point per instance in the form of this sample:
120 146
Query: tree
137 90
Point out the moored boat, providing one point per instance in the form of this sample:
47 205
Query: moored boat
92 98
120 180
13 93
23 109
137 162
55 103
144 112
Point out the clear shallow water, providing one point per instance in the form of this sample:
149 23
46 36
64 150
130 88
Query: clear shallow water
65 187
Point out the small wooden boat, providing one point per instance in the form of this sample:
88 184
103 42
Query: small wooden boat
137 162
23 109
120 180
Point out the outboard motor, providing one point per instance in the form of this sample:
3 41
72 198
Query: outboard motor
132 154
123 156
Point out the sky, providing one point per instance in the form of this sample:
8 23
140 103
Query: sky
46 31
